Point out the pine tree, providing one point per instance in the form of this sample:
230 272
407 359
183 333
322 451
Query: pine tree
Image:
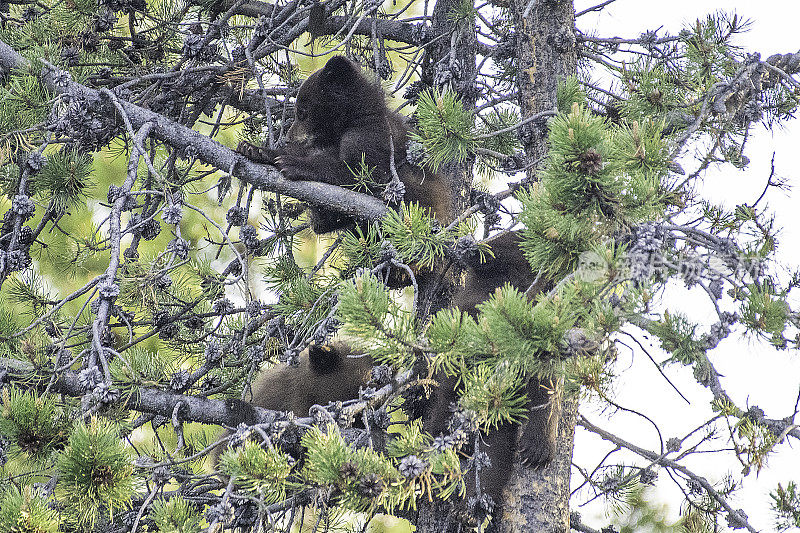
149 272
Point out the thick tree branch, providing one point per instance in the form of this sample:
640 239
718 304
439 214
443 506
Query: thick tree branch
229 412
394 30
210 151
416 34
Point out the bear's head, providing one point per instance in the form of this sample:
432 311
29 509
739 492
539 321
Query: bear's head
333 99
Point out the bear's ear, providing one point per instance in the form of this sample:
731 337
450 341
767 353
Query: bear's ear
323 359
339 70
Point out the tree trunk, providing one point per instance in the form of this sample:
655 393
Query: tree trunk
546 54
450 61
538 500
534 500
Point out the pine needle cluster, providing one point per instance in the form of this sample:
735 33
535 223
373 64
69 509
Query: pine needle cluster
26 510
34 425
376 322
176 515
599 179
411 232
262 472
364 479
96 473
445 129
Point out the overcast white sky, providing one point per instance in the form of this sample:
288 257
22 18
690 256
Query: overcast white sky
754 374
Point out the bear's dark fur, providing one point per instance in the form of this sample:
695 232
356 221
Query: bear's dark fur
537 442
341 121
326 374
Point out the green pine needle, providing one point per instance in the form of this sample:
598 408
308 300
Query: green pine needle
361 248
553 241
444 128
175 515
525 336
506 143
376 323
27 510
764 312
411 232
66 179
495 394
96 473
640 146
455 338
569 92
34 425
677 336
257 470
331 462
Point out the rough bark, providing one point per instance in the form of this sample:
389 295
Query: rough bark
534 500
459 46
546 54
538 500
456 53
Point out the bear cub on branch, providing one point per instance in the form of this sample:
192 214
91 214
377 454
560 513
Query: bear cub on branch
342 124
326 374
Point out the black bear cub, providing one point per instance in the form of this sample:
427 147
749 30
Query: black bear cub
536 443
327 374
341 125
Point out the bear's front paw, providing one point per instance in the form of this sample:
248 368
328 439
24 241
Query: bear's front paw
292 167
257 154
536 447
537 455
